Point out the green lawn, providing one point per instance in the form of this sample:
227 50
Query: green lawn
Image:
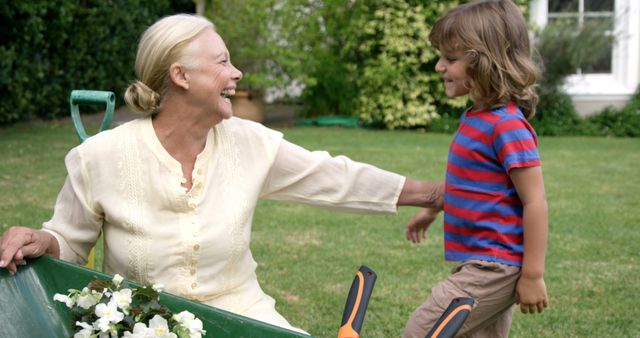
308 257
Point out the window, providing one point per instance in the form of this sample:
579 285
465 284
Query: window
578 13
617 73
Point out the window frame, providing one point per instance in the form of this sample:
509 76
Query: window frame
625 60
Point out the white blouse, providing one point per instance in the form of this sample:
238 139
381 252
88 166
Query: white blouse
196 243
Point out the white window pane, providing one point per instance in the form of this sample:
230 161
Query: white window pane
566 22
598 5
601 44
563 6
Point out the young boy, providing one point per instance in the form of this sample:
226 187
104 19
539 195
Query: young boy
495 220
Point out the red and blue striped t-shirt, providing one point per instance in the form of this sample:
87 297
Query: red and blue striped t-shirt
482 211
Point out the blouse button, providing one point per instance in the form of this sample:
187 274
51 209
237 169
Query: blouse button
199 171
194 261
192 271
196 247
194 285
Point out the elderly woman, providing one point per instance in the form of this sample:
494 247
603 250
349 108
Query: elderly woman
174 192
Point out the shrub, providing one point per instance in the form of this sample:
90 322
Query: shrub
634 101
397 84
315 55
48 48
331 90
246 27
621 123
612 122
556 115
445 124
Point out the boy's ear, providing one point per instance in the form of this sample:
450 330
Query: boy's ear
179 76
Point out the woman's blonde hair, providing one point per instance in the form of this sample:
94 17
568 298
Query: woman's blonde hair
494 38
161 45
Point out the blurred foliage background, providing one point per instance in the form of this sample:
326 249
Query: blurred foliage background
366 59
48 48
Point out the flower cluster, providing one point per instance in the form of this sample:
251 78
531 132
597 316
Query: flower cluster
106 309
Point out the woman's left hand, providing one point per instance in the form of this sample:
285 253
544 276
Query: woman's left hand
19 243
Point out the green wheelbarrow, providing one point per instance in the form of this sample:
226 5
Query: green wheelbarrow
28 308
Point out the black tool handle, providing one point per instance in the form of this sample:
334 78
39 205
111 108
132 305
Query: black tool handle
452 319
357 302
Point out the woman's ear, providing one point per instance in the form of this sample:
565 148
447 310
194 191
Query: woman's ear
179 76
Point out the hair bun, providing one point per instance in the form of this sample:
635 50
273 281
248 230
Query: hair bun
140 98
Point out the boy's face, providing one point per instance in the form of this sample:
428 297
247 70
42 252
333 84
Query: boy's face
453 68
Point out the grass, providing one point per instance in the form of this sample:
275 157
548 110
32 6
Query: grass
308 257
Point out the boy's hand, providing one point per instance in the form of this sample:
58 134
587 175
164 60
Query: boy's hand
531 294
419 224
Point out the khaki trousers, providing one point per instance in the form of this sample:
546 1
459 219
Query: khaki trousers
490 284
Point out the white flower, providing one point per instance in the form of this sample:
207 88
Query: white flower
158 287
139 331
83 325
117 280
189 320
122 298
88 298
160 328
102 324
108 312
86 332
83 334
109 304
64 299
108 334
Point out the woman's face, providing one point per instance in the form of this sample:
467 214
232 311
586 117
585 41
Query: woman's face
453 68
213 79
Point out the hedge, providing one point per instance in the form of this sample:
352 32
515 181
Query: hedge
48 48
381 67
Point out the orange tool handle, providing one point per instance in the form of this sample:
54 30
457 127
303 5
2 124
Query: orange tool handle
452 319
357 301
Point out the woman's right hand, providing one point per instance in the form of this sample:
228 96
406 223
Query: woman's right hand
19 243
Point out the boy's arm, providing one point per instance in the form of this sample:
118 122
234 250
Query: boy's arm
531 291
419 224
430 196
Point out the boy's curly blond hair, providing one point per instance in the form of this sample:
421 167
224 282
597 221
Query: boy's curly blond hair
494 38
